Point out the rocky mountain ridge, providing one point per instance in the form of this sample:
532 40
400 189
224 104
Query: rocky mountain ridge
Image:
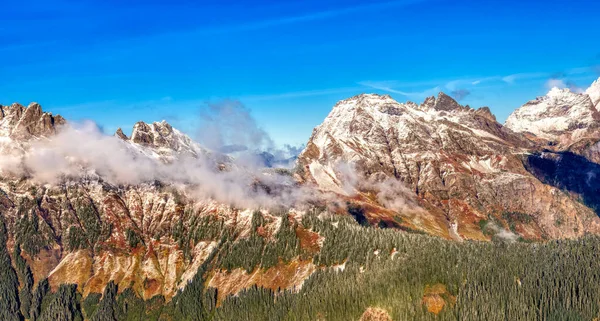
562 117
462 165
22 123
594 92
563 120
160 140
104 216
437 167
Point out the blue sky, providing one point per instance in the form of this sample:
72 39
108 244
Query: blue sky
118 62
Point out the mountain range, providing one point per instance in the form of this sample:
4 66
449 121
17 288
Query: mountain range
460 167
148 211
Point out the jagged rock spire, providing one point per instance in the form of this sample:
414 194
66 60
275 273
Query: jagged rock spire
446 103
19 122
119 133
594 92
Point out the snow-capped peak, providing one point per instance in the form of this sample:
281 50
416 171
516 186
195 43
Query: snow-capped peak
556 92
374 130
594 92
161 140
435 155
560 112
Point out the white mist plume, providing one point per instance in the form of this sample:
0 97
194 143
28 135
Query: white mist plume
502 233
229 127
82 150
230 124
562 84
390 192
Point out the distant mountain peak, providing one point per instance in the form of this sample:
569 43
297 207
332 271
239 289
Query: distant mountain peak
594 92
486 112
365 99
161 140
23 123
456 162
119 133
446 103
442 102
560 112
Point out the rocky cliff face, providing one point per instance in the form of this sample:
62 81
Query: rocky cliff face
464 168
20 123
565 121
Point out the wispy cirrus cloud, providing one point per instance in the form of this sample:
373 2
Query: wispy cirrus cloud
568 73
460 88
300 94
461 83
388 86
511 79
168 102
419 90
312 16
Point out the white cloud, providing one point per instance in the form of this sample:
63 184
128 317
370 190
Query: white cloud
561 83
511 79
502 233
299 94
313 16
555 83
83 151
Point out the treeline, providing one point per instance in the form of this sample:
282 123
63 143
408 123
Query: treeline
388 269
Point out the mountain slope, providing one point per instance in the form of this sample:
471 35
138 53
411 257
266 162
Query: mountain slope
66 202
462 166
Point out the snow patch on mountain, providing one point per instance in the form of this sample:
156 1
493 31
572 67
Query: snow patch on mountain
594 92
359 126
160 140
560 111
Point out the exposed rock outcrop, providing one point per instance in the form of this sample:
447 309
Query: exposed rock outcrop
22 123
